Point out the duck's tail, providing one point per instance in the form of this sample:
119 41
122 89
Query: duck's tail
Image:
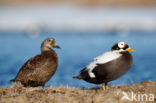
78 77
12 80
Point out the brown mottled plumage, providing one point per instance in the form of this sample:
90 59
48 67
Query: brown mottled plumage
39 69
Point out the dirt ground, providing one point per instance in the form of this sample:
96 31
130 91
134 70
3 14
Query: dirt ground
143 92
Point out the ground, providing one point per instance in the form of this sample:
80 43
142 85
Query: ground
143 92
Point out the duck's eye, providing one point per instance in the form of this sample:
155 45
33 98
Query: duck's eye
49 40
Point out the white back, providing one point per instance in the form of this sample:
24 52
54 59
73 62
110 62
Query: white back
107 57
102 59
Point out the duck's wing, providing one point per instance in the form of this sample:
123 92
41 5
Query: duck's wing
30 67
102 59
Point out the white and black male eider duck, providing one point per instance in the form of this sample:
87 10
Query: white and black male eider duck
109 66
39 69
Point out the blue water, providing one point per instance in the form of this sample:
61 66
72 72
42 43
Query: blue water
78 49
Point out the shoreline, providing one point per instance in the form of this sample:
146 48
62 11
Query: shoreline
91 3
19 94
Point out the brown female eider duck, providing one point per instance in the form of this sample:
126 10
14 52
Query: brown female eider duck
39 69
109 66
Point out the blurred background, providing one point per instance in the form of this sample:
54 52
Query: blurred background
84 29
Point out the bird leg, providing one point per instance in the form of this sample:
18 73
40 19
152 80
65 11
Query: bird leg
43 86
104 86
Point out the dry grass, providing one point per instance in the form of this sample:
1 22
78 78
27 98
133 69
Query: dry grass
19 94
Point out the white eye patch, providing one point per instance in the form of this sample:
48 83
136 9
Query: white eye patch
121 45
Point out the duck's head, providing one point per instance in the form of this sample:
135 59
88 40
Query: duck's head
121 46
49 43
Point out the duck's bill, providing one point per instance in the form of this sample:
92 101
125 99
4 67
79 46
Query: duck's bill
129 49
57 47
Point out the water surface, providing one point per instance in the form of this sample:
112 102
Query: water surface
78 49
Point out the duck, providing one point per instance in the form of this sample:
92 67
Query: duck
39 69
109 66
